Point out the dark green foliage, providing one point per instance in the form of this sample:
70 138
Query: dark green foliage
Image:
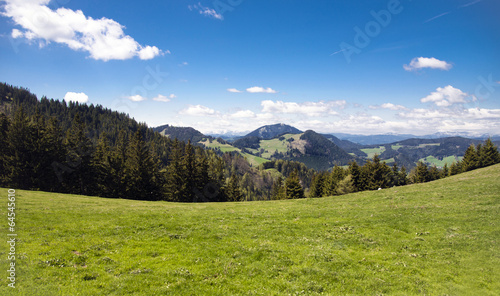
183 134
293 189
233 189
471 159
247 142
318 185
488 154
142 178
278 191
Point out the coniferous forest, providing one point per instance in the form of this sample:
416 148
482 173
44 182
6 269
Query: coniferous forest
55 146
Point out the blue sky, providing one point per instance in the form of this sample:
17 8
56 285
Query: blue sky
365 67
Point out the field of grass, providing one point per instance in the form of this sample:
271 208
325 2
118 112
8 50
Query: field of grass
252 159
440 163
273 145
372 151
438 238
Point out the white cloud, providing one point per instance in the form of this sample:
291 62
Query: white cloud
306 108
136 98
447 96
197 110
258 89
233 90
243 114
162 98
76 97
149 52
421 62
103 38
206 11
389 106
16 34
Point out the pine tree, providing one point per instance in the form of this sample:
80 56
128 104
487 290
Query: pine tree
4 129
403 176
176 183
278 189
420 174
141 171
78 160
489 154
355 172
101 168
471 159
433 174
445 172
456 168
233 189
117 177
293 188
20 152
317 185
346 186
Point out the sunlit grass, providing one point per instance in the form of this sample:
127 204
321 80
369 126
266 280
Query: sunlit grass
439 238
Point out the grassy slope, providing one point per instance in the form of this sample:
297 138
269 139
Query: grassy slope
252 159
436 238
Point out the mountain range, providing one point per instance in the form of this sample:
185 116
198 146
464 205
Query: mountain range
323 151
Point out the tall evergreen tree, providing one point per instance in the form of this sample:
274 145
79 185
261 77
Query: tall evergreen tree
141 171
78 159
233 189
317 185
471 159
20 151
420 174
176 184
293 188
278 190
4 129
489 154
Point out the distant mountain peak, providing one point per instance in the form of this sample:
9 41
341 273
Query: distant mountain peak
268 132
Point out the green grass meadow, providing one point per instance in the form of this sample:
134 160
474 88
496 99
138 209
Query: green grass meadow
438 238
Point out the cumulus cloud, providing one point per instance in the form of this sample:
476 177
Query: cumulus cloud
206 11
243 114
306 108
233 90
162 98
258 89
198 110
136 98
446 96
102 38
389 106
76 97
421 63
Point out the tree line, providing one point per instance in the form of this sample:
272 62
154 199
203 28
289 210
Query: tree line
76 148
375 174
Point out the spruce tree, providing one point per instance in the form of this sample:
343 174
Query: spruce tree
78 161
176 183
293 188
355 172
141 171
489 154
20 151
233 189
278 190
471 159
317 185
4 129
